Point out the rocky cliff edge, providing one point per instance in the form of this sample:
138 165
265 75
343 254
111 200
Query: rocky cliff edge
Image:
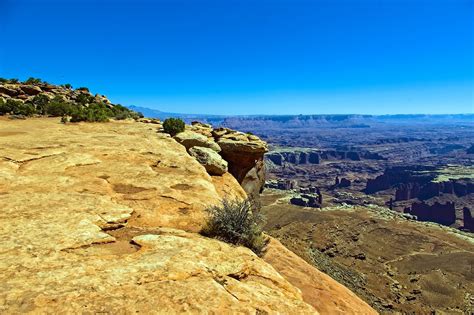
102 218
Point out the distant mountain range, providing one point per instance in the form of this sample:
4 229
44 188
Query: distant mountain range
295 121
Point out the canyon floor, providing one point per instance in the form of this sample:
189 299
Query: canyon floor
395 264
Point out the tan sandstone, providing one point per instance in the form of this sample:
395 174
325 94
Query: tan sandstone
65 191
321 291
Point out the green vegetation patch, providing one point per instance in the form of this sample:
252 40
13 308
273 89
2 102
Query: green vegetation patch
454 172
238 223
173 126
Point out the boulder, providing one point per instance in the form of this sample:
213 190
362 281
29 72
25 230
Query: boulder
210 159
9 89
31 89
101 99
245 158
201 128
191 139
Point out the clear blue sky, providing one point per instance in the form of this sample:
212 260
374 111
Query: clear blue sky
250 56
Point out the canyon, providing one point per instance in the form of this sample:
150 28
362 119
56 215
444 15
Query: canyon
104 217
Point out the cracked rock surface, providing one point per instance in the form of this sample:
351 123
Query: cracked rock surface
69 194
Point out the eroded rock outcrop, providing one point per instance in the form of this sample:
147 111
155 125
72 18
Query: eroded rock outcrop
440 213
210 159
468 219
244 153
100 218
84 208
315 285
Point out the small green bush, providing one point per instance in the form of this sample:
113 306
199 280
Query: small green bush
32 80
58 107
41 103
10 106
173 126
238 223
3 107
85 99
14 81
25 109
3 80
68 86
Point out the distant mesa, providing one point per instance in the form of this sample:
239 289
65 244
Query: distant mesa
301 156
440 213
468 219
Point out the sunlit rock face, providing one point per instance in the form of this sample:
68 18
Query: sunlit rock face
100 218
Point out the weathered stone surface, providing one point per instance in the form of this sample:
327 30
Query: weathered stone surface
9 89
244 153
169 271
191 139
210 159
321 291
31 89
129 162
64 191
228 187
201 128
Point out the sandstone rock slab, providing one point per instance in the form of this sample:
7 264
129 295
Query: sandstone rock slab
191 139
210 159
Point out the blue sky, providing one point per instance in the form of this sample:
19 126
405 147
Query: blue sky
250 56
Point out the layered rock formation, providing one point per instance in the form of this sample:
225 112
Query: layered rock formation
244 153
81 204
417 182
312 156
440 213
101 218
468 219
24 93
315 285
240 153
307 200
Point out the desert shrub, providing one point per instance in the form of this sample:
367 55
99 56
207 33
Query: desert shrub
14 80
97 112
25 109
10 106
121 112
238 223
83 88
173 126
3 107
58 107
67 86
32 80
85 99
3 80
41 102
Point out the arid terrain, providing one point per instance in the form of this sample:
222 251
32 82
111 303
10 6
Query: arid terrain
395 264
349 194
104 218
